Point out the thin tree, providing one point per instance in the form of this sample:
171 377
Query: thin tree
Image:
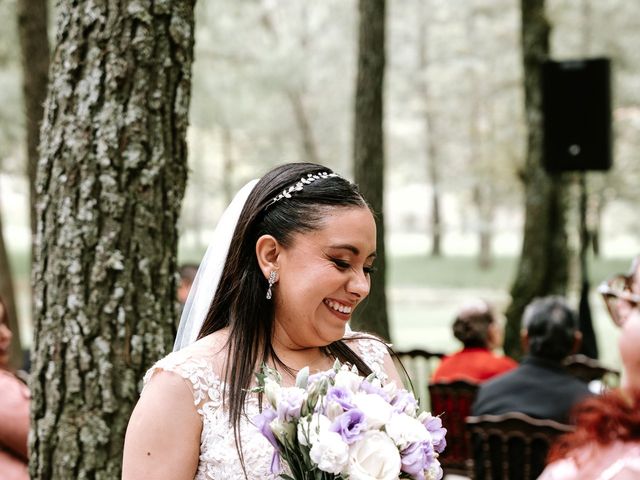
111 178
369 149
543 264
8 296
32 20
34 49
429 120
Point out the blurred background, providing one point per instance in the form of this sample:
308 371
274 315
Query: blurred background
273 82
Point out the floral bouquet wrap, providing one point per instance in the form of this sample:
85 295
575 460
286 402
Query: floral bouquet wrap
339 425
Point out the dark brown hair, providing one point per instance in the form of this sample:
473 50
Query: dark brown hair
239 303
471 325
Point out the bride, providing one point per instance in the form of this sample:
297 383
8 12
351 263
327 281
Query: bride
291 260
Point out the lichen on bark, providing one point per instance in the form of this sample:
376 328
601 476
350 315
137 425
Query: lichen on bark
111 177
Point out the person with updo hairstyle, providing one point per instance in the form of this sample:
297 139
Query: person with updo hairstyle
540 387
477 327
606 442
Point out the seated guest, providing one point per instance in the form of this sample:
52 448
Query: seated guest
14 412
606 443
187 274
477 327
540 387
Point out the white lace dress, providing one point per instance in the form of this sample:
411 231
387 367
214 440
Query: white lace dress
219 458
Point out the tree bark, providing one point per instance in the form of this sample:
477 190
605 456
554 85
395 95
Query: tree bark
111 178
369 149
34 49
543 266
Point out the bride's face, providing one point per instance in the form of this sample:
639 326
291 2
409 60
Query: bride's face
323 276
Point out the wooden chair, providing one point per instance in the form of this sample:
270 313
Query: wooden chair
589 369
512 446
419 365
453 401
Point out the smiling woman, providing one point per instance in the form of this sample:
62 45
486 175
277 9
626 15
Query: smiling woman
295 261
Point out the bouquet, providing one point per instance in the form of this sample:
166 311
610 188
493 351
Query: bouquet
338 425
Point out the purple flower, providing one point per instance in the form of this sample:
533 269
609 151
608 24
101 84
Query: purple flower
416 458
316 377
404 402
289 403
262 422
437 431
369 387
349 425
341 396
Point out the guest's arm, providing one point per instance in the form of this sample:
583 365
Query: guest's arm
14 415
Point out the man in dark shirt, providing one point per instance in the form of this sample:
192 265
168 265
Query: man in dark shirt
539 386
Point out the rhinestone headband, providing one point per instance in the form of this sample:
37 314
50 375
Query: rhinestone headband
310 178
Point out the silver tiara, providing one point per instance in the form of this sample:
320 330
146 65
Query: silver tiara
310 178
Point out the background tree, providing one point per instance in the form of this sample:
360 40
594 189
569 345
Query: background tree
34 59
369 148
34 49
543 263
7 292
111 178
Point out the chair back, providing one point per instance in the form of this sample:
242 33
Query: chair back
419 365
588 369
453 401
511 446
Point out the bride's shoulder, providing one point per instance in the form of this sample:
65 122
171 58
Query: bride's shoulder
362 341
199 363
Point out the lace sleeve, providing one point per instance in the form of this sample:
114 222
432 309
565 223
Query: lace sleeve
373 352
198 374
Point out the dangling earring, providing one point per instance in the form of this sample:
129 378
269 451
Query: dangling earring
272 281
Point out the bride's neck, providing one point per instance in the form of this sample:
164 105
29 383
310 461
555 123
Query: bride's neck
295 358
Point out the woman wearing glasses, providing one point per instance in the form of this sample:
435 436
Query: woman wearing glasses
606 443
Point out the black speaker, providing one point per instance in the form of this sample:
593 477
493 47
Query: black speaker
576 104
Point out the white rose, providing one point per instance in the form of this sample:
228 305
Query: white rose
330 452
374 457
377 411
310 427
348 379
404 430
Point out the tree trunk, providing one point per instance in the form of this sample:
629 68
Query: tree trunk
307 142
227 165
433 167
484 206
369 149
111 178
543 265
7 293
34 49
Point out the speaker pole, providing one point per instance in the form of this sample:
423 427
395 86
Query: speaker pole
589 345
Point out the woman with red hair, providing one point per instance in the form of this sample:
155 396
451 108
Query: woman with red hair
606 442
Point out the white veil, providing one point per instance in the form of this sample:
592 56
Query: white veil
209 272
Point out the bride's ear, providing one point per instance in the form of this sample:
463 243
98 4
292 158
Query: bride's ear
267 252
